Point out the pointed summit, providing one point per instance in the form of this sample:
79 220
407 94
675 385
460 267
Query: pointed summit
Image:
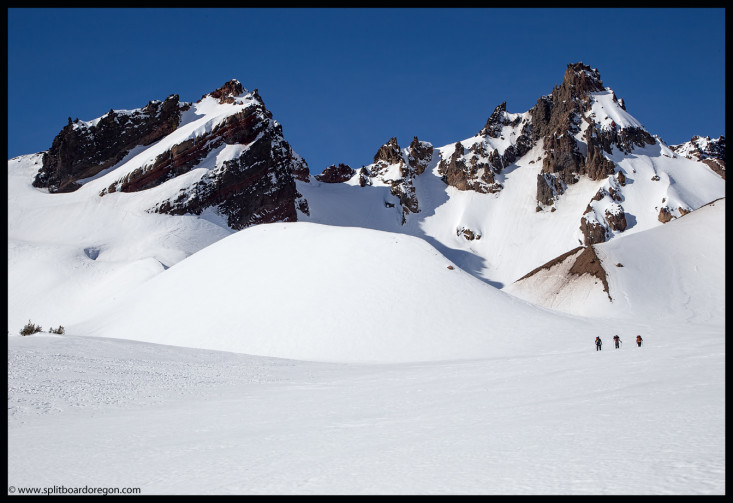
227 92
583 79
389 153
495 122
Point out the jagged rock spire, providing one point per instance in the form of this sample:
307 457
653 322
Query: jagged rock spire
583 79
227 92
389 152
495 122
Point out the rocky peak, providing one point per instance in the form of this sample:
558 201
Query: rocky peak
389 153
255 184
227 92
557 119
420 155
582 79
495 122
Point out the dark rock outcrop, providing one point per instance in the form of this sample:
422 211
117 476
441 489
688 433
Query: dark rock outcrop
593 231
584 261
548 188
557 118
81 150
365 177
474 170
597 167
467 233
496 122
408 166
336 174
256 186
616 219
228 92
389 153
420 155
587 262
664 215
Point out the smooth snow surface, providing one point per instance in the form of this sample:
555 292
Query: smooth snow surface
564 420
316 292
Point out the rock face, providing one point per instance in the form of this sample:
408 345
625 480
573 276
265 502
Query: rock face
398 168
576 141
604 216
336 174
582 260
558 118
255 185
83 149
475 163
474 169
709 151
497 120
589 263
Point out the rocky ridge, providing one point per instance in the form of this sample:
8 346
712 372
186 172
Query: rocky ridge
83 149
475 164
577 138
254 183
707 150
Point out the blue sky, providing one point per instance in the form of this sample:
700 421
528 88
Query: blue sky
343 81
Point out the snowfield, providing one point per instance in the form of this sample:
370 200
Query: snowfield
564 420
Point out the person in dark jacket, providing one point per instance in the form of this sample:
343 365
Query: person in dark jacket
598 343
639 340
616 340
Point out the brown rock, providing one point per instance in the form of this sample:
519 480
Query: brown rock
589 263
593 231
616 221
80 151
336 174
227 92
664 215
389 153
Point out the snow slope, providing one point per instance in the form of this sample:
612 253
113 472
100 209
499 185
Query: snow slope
672 272
69 254
315 292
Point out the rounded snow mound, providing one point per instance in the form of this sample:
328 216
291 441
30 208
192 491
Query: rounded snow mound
315 292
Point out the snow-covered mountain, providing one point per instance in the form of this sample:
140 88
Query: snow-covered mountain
421 324
119 200
223 151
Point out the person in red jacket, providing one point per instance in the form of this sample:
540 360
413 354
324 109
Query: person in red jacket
639 340
616 340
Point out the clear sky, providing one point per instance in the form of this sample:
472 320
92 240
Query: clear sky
343 81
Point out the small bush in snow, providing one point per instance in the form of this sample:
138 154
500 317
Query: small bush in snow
30 328
59 330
